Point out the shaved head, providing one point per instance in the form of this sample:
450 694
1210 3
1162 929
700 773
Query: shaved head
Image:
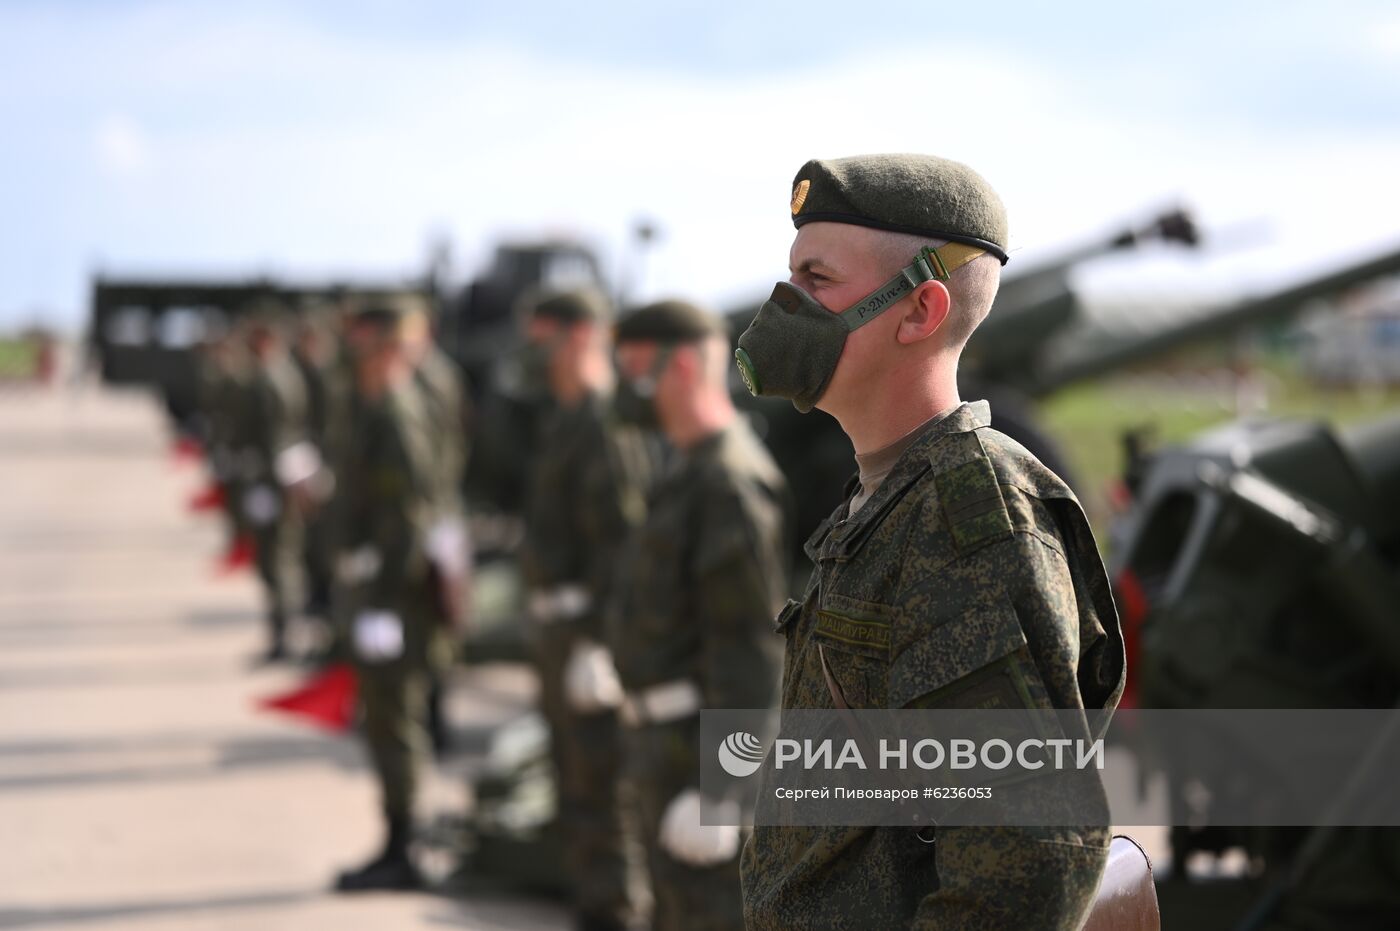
972 287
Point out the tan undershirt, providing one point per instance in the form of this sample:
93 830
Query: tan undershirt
876 466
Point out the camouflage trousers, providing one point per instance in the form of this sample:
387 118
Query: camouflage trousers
587 754
394 701
662 763
317 560
278 548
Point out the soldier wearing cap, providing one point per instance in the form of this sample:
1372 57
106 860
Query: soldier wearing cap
955 555
392 498
314 352
271 441
449 542
224 370
700 579
586 492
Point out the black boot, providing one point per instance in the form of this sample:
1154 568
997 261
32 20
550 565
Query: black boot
392 870
277 638
437 723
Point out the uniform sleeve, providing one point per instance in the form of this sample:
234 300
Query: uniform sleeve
996 625
611 508
738 586
1000 627
259 425
401 482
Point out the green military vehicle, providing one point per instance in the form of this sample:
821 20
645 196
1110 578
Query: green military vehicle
1260 568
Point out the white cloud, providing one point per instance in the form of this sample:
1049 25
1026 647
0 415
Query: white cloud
280 144
120 146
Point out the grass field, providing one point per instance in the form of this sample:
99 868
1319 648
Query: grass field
16 358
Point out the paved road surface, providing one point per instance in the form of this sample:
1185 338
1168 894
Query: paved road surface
138 787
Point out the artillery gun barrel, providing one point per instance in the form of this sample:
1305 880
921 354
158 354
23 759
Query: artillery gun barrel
1276 306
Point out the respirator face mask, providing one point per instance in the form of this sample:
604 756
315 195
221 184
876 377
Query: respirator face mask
794 343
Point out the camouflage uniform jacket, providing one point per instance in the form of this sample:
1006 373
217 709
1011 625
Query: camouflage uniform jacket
702 573
391 503
586 492
447 405
970 579
273 417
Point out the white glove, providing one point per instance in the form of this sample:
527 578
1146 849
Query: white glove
447 546
696 844
296 464
261 505
378 636
590 678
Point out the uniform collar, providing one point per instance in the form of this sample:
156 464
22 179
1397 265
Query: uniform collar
970 415
915 461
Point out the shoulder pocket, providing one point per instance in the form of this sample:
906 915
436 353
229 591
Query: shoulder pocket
976 661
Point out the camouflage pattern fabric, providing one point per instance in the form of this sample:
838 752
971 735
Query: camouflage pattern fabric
585 495
970 579
391 486
701 575
273 418
222 385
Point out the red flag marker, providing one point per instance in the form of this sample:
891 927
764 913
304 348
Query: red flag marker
186 449
239 556
326 700
210 499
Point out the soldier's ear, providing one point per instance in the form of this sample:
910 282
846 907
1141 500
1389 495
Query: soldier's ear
928 308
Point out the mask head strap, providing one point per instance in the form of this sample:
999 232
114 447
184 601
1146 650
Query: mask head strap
929 265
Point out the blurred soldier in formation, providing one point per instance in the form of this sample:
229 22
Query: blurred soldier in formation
585 493
394 500
315 351
222 382
449 409
272 460
701 581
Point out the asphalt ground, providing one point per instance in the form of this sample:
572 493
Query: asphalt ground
140 785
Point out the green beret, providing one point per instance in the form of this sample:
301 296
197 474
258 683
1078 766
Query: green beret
389 308
264 313
668 322
570 306
917 194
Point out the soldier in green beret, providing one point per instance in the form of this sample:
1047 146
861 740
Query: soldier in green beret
955 550
271 444
392 498
314 351
449 542
585 493
701 577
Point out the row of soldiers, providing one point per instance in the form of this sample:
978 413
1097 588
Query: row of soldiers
338 439
655 553
959 572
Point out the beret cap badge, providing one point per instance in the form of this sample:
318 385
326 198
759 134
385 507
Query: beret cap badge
799 195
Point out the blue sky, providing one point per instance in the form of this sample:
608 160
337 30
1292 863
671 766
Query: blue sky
337 138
